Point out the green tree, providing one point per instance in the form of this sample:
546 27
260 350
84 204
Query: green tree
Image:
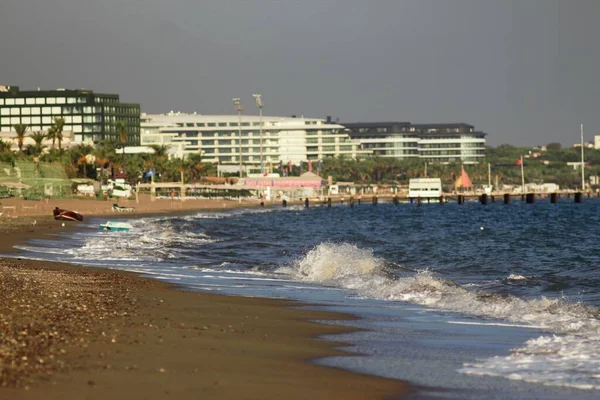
20 129
58 126
38 137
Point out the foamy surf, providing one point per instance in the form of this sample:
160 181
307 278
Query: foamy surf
574 347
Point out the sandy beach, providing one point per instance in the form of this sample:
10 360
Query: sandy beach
71 332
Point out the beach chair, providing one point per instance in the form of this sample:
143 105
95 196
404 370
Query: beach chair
118 208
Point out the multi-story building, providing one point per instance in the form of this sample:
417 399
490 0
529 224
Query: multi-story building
441 143
217 137
88 116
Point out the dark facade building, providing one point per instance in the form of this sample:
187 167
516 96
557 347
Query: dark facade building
91 117
441 143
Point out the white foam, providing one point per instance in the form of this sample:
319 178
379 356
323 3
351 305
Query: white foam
571 359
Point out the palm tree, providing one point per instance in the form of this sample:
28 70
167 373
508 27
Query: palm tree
38 137
51 134
58 126
20 129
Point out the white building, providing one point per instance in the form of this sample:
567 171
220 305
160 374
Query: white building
217 137
441 143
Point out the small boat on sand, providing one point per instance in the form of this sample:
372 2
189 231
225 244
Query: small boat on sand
116 226
66 215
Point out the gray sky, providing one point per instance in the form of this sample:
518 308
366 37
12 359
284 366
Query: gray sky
524 71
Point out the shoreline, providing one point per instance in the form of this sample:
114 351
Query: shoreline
157 341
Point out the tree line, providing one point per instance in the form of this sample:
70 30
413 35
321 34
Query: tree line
108 158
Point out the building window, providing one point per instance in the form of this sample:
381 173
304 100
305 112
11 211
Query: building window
15 120
15 111
60 100
40 100
50 100
10 102
1 102
19 102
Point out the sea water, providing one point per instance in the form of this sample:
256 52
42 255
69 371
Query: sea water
466 301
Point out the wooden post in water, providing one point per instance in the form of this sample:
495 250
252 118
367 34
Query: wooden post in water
530 198
578 197
374 200
396 201
506 198
351 201
553 198
441 200
306 202
483 199
329 202
460 199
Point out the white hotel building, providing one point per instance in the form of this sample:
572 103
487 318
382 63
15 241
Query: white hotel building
217 137
290 139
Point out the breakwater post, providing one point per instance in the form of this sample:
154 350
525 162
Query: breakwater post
306 202
506 198
396 200
284 203
578 197
375 200
329 202
530 198
351 201
441 200
553 198
460 199
483 199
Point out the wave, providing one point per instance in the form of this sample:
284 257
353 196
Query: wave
545 359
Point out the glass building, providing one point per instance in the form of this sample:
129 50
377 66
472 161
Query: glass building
442 143
91 117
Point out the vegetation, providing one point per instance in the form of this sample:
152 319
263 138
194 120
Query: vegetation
107 158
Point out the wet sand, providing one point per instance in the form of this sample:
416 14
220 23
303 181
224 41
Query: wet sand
70 332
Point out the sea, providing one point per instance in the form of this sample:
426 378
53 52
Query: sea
496 301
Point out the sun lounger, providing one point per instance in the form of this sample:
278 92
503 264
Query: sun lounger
118 208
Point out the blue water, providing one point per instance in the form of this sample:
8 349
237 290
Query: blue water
468 301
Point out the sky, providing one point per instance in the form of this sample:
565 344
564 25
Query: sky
526 72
